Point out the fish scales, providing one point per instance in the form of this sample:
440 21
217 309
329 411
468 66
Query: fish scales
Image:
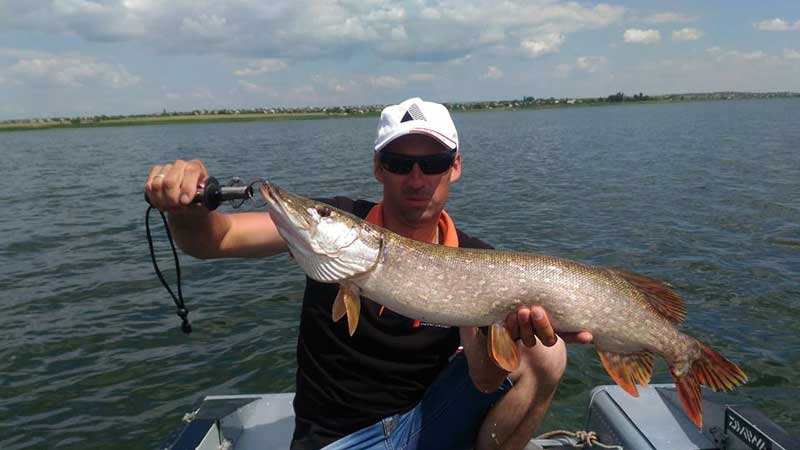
471 287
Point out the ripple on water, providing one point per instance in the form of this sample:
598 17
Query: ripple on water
91 354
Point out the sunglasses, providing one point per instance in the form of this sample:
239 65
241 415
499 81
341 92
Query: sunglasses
429 165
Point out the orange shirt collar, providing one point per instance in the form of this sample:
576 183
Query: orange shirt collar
446 225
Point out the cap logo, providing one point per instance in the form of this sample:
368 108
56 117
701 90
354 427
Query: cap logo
413 113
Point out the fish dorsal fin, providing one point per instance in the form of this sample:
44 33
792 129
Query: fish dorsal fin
662 299
628 369
502 349
348 302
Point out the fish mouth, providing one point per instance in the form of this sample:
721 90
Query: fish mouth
282 211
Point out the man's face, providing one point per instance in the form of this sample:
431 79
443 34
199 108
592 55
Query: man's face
415 196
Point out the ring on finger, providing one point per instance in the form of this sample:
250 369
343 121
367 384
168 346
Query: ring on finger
160 175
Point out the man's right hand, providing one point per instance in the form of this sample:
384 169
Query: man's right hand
203 233
172 187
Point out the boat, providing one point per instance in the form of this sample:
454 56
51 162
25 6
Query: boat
653 421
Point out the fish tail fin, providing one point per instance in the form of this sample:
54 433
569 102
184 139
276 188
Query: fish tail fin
709 369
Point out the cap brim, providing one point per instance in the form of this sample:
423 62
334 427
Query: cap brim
439 137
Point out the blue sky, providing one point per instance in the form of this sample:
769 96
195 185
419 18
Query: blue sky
87 57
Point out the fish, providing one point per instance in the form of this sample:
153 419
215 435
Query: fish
631 317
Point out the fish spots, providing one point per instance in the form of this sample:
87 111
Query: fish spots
555 269
440 277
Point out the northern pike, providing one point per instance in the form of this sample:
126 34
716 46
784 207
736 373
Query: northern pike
631 317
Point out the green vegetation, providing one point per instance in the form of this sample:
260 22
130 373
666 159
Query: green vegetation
258 114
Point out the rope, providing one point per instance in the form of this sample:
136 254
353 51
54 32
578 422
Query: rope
182 311
583 438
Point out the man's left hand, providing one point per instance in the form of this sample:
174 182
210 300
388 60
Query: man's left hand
530 322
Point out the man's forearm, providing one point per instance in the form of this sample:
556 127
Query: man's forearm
199 233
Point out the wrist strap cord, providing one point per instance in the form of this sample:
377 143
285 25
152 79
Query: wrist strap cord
182 311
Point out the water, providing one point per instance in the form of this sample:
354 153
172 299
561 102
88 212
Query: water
704 195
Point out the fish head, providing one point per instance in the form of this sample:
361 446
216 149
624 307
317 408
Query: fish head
329 244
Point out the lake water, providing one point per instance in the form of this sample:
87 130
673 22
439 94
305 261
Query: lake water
704 195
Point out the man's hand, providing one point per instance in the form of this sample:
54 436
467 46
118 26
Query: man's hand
172 187
530 322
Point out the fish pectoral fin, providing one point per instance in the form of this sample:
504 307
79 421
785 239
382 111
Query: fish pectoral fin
628 369
339 308
348 302
502 349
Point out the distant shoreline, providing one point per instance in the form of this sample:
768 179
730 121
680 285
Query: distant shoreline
349 112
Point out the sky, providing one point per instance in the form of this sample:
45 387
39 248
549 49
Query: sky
66 58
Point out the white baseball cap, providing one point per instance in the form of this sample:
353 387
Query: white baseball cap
416 116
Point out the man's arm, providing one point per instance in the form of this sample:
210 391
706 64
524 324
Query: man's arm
203 233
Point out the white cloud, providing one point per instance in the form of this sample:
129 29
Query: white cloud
773 25
253 88
493 73
591 64
686 34
776 24
386 82
542 45
718 69
422 77
790 53
721 55
441 31
588 64
430 14
260 67
667 17
66 71
637 36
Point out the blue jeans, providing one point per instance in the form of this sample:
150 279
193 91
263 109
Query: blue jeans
447 418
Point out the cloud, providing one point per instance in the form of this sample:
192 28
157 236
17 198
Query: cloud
790 53
637 36
718 69
260 67
721 55
283 29
253 88
535 48
686 34
422 77
772 25
776 24
41 69
591 64
386 82
667 17
493 73
588 64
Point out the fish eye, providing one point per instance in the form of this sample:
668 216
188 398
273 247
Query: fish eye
323 211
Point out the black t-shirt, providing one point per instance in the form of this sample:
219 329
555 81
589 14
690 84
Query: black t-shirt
345 383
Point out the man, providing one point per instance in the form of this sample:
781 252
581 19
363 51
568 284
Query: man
396 383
